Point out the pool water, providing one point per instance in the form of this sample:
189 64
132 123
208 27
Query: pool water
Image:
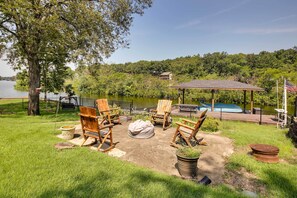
231 108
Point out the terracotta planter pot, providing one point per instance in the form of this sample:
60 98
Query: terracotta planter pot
187 167
67 132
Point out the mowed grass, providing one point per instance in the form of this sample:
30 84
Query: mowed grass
281 178
30 166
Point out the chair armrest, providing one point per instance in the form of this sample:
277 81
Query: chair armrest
153 112
184 125
189 121
105 111
106 126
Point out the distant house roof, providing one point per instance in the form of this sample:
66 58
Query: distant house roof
165 73
217 85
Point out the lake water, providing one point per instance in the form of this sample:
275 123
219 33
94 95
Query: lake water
7 91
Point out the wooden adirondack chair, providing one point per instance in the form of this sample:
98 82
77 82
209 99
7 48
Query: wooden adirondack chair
110 115
91 128
187 130
162 113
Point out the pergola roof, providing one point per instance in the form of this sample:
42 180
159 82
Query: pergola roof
217 85
165 73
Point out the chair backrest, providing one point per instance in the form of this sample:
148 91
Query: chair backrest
102 105
199 123
203 114
164 106
88 119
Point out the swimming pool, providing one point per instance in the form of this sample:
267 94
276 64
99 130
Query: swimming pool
230 108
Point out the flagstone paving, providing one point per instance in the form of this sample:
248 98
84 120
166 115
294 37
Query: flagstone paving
157 154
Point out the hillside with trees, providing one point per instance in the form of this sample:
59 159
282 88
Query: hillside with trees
141 79
11 78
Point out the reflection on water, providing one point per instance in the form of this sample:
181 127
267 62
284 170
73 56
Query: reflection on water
142 103
125 101
7 91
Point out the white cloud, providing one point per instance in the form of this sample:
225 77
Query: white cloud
195 22
283 18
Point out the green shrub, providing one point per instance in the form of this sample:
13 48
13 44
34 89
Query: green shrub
141 117
210 124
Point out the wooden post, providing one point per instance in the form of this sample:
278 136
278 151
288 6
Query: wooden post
183 96
252 101
244 101
212 100
295 112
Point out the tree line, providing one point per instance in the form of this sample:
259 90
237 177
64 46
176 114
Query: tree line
11 78
141 79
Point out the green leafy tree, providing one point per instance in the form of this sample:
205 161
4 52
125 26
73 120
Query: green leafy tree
34 31
22 81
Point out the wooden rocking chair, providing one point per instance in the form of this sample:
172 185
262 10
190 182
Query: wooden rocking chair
91 128
162 113
110 115
187 131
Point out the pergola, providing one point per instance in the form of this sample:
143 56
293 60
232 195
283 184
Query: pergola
214 85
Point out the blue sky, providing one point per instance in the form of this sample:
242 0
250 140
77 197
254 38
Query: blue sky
174 28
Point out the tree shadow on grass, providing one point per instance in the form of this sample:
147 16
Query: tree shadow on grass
175 187
13 108
85 188
19 110
281 183
136 184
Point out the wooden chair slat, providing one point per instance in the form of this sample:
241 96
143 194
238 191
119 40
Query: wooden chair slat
91 128
162 113
110 115
188 133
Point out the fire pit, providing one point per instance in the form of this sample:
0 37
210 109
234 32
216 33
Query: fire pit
265 152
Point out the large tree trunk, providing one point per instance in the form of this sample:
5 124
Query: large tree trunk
34 82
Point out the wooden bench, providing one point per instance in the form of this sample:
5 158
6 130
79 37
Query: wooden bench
188 108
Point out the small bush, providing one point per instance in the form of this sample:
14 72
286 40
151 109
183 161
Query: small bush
117 109
141 117
210 124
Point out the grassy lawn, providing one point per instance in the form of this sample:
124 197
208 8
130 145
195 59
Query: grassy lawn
30 166
280 179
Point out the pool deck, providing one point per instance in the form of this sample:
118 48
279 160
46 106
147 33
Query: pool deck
255 118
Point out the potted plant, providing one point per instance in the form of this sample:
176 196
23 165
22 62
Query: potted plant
67 132
187 159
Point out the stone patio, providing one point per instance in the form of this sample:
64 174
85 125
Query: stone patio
157 154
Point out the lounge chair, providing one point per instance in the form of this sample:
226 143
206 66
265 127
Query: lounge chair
187 131
91 128
162 113
110 115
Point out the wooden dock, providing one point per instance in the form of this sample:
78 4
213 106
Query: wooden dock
255 118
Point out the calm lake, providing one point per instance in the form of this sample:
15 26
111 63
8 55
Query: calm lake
7 91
